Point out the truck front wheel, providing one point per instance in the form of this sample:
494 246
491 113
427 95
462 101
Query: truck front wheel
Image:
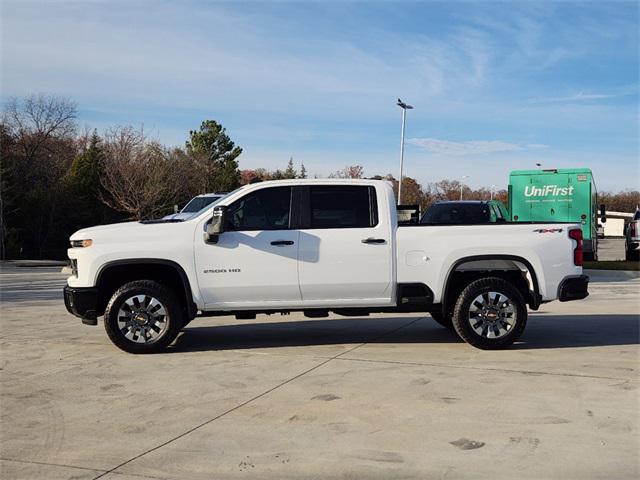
490 314
143 317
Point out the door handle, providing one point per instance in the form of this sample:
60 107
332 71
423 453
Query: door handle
282 243
373 240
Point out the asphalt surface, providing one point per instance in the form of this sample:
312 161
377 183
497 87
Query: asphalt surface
386 396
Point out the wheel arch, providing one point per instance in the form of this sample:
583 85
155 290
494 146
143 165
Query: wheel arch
115 273
533 298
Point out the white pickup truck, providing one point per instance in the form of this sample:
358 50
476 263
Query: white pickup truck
317 246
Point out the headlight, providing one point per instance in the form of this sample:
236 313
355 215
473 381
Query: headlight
81 243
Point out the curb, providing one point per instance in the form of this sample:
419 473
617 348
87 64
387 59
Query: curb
36 263
611 275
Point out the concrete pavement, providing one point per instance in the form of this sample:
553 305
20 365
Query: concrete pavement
386 396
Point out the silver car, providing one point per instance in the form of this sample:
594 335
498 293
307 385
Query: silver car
632 237
195 205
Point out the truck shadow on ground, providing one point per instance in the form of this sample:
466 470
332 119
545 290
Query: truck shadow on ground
548 331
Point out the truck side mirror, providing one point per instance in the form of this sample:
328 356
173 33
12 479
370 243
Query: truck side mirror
603 213
216 227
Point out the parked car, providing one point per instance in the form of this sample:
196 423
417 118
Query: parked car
195 205
467 212
317 246
632 237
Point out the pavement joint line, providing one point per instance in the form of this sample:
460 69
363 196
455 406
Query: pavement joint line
48 464
505 370
91 469
256 397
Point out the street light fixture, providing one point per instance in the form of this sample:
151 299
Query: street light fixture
404 108
462 185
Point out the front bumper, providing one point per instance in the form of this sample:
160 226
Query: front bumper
573 288
82 302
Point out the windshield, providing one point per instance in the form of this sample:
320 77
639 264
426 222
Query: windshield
198 203
457 214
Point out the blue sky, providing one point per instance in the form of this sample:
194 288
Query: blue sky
496 86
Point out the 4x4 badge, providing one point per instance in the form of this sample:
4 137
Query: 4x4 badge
548 230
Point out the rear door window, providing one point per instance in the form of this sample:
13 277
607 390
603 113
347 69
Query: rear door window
337 206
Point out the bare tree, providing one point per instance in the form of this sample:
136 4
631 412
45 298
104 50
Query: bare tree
39 118
625 201
351 171
140 176
41 129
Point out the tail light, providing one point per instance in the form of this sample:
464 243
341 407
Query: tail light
633 229
578 252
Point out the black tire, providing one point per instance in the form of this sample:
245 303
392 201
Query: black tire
462 323
172 320
632 255
445 320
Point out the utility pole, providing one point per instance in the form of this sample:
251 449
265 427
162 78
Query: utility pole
404 108
462 185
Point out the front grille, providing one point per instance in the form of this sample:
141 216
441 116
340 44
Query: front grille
74 267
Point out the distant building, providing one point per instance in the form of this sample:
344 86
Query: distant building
614 226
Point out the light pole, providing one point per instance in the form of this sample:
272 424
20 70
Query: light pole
404 108
462 185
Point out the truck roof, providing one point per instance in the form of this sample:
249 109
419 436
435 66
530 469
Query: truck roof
551 171
320 181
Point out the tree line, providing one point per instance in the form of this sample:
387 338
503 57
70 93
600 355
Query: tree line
56 178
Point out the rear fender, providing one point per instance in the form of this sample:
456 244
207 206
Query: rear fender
482 264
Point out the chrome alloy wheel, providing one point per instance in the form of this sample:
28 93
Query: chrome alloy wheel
142 319
491 315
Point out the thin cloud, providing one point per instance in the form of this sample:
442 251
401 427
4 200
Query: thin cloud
473 147
578 97
536 145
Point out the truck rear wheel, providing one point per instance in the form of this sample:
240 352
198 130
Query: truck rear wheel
143 317
490 314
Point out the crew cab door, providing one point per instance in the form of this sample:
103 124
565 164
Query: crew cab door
254 262
345 254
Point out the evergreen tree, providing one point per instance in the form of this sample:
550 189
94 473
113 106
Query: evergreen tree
84 189
290 172
303 171
86 168
216 154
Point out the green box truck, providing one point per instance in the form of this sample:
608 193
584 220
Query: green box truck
556 195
